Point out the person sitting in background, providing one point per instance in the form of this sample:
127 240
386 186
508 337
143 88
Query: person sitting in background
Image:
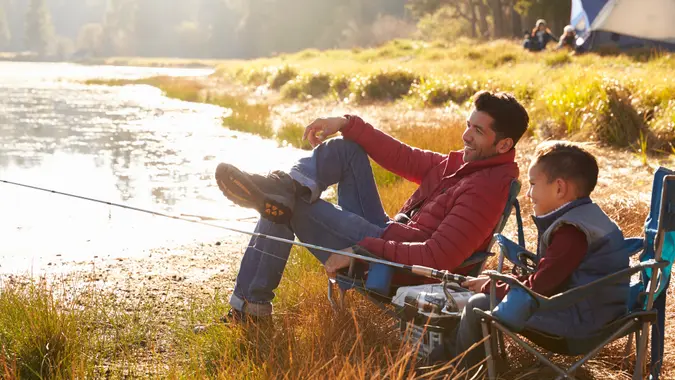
528 40
568 39
539 37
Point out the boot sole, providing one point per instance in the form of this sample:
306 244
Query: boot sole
238 188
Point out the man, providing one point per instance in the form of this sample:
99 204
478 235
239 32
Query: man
451 215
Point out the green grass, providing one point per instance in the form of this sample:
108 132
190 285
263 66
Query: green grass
593 96
243 116
610 97
70 329
291 134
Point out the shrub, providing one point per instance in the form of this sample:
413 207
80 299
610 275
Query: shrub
339 85
386 85
38 335
621 125
663 124
437 92
313 85
573 105
254 76
280 75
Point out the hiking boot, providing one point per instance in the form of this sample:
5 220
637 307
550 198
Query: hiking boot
273 195
236 317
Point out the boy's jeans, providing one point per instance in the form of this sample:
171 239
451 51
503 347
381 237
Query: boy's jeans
470 332
358 214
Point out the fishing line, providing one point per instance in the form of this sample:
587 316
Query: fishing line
416 269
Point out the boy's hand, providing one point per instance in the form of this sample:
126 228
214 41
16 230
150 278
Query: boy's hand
321 128
336 262
475 284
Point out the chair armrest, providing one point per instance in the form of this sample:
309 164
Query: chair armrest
477 257
573 296
517 255
513 282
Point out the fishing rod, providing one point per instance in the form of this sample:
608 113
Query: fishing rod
365 256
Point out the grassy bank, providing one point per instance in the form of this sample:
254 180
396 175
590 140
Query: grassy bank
622 100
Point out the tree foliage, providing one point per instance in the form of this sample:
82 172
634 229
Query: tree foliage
251 28
39 28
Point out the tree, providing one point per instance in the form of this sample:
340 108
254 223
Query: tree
5 34
89 39
220 21
118 27
190 39
64 47
39 28
556 13
497 10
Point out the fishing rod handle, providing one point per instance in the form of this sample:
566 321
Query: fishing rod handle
437 274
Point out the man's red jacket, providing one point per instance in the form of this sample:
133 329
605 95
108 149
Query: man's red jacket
459 203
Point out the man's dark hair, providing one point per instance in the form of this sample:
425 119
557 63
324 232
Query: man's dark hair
510 117
560 159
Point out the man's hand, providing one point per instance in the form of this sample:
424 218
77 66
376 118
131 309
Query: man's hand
336 262
321 128
475 284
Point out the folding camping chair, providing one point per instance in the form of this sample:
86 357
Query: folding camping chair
354 277
645 306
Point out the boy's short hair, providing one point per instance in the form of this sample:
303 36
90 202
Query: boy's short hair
561 159
510 117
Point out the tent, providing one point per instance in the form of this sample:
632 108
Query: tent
624 24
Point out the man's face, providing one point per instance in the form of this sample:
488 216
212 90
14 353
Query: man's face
479 138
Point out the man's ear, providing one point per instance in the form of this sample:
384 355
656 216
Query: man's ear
504 145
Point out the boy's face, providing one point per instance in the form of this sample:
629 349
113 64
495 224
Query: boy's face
480 139
546 195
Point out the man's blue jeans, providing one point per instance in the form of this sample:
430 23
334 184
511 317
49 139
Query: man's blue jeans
358 214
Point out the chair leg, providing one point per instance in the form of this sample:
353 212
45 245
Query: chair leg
627 350
340 303
640 361
489 353
502 349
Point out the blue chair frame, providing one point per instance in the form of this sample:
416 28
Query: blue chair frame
646 304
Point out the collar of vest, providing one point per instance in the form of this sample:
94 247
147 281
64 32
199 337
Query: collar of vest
545 221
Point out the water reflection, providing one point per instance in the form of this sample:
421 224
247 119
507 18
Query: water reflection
122 144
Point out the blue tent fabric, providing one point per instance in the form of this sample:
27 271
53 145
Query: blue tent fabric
592 8
584 12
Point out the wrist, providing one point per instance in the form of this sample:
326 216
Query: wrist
344 121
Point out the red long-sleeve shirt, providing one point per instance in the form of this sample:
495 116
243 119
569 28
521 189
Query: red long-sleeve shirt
563 256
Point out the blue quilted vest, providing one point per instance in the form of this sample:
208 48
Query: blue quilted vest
606 255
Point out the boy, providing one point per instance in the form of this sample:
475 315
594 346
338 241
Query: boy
578 243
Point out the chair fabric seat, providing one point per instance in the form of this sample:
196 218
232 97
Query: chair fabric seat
582 346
